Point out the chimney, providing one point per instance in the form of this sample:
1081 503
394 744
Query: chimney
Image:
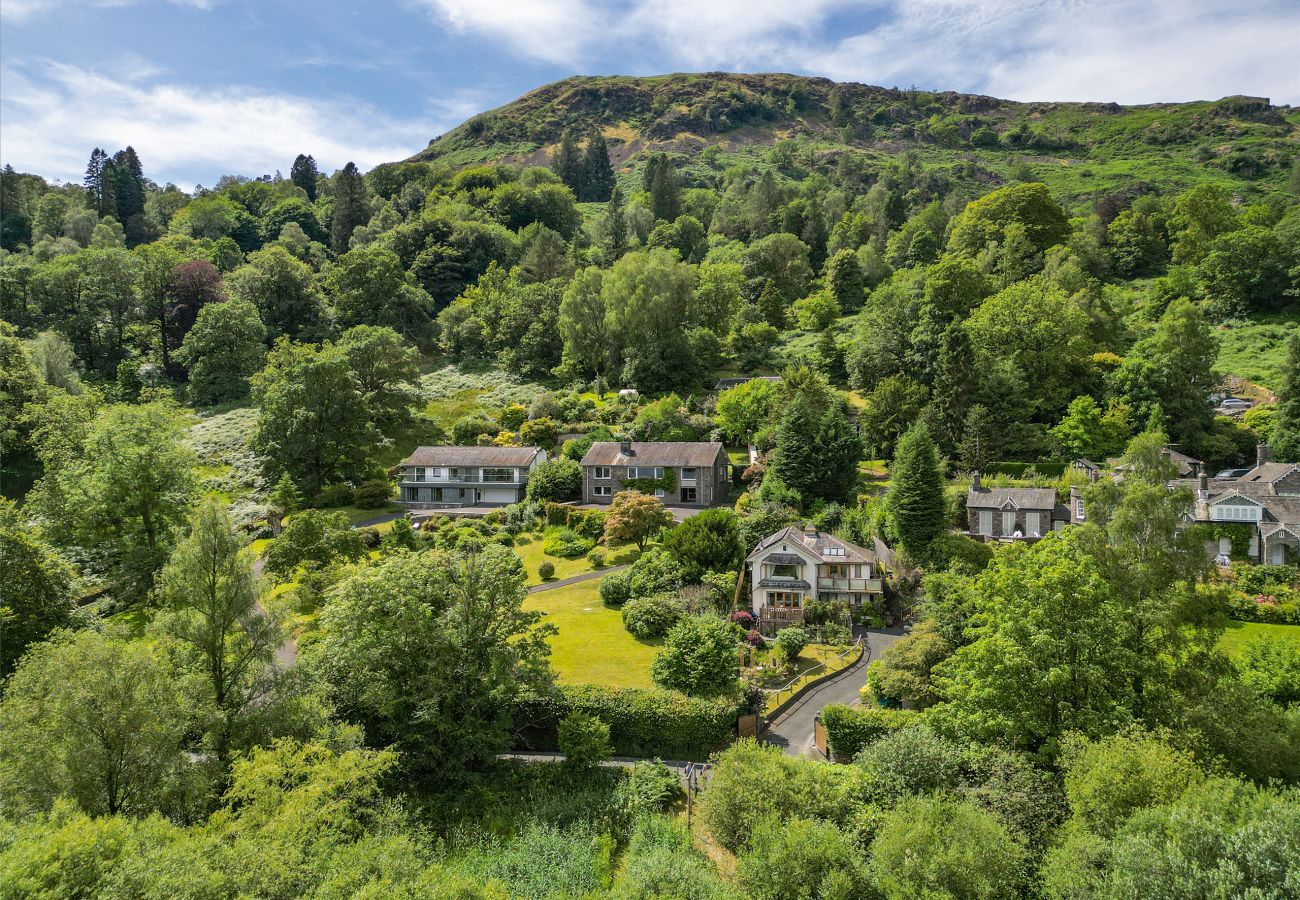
1263 454
810 530
975 482
1203 484
625 447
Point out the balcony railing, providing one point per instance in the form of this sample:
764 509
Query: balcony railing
871 585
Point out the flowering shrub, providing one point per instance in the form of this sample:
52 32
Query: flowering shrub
753 638
744 618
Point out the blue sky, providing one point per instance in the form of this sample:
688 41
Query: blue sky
203 88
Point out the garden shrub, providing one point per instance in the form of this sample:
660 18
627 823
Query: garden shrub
651 617
566 543
642 722
799 856
519 517
649 786
546 571
590 523
554 480
744 618
616 588
848 730
791 642
597 558
373 494
583 739
754 781
699 658
333 495
662 862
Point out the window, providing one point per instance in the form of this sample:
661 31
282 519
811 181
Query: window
499 476
601 472
834 551
688 474
659 492
688 495
986 521
437 472
785 570
1008 523
634 472
419 473
1236 513
1032 524
602 490
783 599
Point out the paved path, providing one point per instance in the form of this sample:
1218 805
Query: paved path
574 579
793 730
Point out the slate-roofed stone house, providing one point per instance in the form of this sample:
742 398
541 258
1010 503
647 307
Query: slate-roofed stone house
681 473
1266 500
1013 513
467 476
795 565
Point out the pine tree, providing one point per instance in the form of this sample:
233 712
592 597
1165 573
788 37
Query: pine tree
665 193
567 163
915 499
94 180
844 278
350 207
128 194
772 305
840 451
979 443
615 224
795 458
652 166
814 234
955 383
304 174
830 357
597 173
1286 427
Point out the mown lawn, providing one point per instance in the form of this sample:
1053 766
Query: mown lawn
592 646
1239 634
529 548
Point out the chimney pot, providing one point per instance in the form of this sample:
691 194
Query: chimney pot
1203 483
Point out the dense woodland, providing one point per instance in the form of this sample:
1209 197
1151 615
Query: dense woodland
215 686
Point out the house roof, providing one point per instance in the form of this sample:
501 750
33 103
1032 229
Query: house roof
472 456
1020 497
1268 472
818 543
654 453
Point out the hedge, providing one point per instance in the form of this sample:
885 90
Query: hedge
642 722
849 729
590 523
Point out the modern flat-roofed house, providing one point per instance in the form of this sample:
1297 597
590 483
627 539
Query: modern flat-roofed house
680 473
1014 513
795 565
467 476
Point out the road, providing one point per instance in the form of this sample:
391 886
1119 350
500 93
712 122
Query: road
574 579
793 730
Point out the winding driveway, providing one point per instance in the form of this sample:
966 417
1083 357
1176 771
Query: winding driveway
793 730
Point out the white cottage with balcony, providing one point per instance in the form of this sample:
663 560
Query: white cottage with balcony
434 477
796 565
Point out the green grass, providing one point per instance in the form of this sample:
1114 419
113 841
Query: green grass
592 646
1256 350
529 548
356 514
1239 634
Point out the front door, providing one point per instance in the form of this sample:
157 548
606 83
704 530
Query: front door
688 495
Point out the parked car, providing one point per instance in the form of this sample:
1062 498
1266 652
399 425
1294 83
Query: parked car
1236 403
1232 473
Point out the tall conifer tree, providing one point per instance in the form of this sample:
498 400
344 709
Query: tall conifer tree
795 458
566 162
304 174
597 173
615 223
915 499
1286 428
350 207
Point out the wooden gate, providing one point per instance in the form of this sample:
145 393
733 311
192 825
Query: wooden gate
819 737
747 726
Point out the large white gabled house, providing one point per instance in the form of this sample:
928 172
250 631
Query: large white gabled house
796 565
436 477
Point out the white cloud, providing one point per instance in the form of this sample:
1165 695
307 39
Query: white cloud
1131 51
557 31
20 10
53 114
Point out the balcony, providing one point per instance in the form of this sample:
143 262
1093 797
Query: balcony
774 618
860 585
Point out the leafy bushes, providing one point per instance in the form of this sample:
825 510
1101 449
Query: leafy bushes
373 494
566 543
583 739
555 480
848 730
651 617
546 571
332 496
654 573
641 722
590 523
700 657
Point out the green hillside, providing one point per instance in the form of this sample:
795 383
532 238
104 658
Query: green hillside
1076 148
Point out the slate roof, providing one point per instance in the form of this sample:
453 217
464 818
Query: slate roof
817 543
492 457
699 454
1268 472
1023 498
